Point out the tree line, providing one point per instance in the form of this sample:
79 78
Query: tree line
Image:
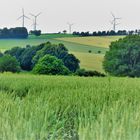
18 32
107 33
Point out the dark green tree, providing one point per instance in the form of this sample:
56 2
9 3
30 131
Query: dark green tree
123 57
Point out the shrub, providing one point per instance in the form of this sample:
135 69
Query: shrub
50 65
9 64
88 73
90 51
123 57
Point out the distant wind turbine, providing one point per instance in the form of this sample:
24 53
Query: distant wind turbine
35 20
70 27
23 18
114 21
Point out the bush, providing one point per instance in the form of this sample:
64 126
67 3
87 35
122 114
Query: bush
88 73
50 65
9 64
123 58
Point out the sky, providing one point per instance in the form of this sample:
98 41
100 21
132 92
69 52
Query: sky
87 15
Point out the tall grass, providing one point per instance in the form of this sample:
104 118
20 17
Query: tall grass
68 108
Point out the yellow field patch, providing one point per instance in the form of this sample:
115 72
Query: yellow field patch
90 61
92 41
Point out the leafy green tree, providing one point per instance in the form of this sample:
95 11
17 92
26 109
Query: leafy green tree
50 65
61 52
123 57
9 64
25 55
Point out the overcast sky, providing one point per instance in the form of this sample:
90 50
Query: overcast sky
88 15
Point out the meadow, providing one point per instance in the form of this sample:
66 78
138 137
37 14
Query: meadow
80 46
68 108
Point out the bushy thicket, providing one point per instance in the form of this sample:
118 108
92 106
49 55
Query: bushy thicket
123 57
30 56
88 73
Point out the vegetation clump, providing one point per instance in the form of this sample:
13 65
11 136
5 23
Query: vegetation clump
89 73
50 65
9 64
30 56
123 57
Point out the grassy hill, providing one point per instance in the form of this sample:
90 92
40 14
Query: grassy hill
103 42
80 46
55 107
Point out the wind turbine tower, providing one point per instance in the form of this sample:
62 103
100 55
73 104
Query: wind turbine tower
23 18
70 27
114 21
35 20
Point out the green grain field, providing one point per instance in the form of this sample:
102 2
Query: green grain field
68 108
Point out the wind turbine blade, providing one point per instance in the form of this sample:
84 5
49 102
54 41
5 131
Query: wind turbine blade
111 22
38 14
26 17
112 15
20 17
118 18
32 14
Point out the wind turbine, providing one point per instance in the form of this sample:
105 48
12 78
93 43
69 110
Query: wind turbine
35 20
114 21
23 18
70 27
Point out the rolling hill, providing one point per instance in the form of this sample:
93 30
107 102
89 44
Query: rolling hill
80 46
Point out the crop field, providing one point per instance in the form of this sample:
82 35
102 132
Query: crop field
80 46
90 61
103 42
70 108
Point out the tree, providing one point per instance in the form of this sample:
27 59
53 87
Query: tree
61 52
36 32
65 31
71 62
50 65
9 64
123 57
18 32
25 55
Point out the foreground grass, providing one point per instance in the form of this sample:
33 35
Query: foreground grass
70 108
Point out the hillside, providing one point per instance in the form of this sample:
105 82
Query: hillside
51 107
102 42
80 46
